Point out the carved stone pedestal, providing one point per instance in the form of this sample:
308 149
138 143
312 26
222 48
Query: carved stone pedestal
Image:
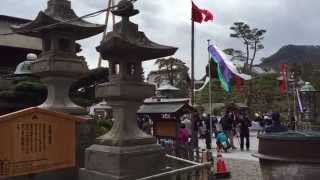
58 74
122 163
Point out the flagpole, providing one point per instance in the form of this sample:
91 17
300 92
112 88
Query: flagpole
194 136
192 62
210 94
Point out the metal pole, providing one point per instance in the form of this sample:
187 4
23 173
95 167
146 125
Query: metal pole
210 95
195 134
192 63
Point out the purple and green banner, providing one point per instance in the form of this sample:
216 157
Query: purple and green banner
225 67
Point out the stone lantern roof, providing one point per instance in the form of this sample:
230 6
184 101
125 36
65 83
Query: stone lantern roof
167 87
59 12
307 87
126 41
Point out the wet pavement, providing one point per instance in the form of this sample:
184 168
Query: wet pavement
241 164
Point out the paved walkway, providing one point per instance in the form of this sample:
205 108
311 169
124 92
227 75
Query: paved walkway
241 164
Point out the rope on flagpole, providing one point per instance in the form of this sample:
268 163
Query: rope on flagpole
110 3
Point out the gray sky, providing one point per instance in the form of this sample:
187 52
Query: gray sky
168 22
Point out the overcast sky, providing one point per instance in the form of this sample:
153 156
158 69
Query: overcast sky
168 22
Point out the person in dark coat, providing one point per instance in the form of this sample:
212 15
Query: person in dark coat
227 123
276 125
244 124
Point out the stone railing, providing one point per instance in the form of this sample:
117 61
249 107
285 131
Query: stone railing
182 169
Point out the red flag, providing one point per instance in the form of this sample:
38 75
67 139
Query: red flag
199 15
208 16
282 83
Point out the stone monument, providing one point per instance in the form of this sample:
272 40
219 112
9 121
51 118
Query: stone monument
58 67
125 152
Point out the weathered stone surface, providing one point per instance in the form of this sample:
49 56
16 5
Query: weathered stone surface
125 130
123 162
289 155
125 91
272 170
58 96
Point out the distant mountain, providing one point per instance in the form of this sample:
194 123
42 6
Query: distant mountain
293 54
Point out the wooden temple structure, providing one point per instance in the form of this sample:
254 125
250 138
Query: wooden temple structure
166 115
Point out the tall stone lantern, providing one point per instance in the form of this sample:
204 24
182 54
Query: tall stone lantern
309 100
310 105
125 152
58 65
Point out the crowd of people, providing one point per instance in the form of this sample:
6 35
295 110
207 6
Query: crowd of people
226 128
230 128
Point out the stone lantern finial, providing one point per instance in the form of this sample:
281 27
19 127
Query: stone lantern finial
125 8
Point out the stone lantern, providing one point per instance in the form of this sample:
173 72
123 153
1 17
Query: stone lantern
309 97
125 152
58 65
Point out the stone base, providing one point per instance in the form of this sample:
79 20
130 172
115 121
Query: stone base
122 163
308 126
276 170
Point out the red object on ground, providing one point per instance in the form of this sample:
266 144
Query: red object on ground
199 15
221 168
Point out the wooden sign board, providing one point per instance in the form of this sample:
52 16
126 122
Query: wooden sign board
165 128
35 140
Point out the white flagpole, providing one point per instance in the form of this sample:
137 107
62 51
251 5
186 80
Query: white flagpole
210 95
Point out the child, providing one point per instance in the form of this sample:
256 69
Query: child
222 141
